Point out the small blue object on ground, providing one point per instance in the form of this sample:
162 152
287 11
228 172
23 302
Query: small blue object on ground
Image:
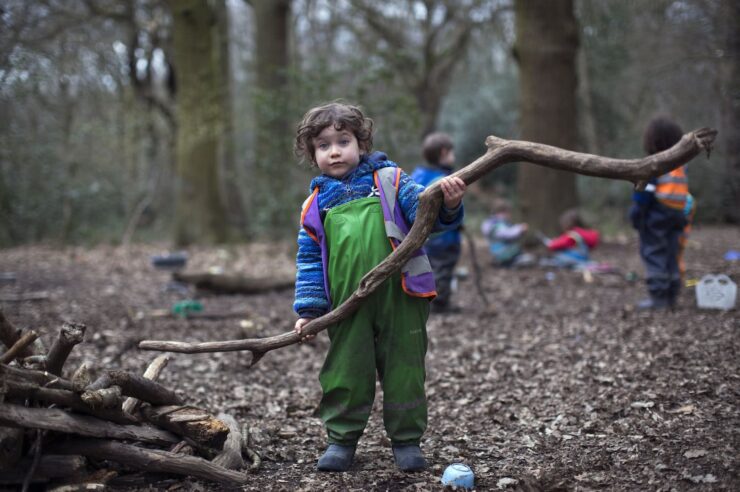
732 255
458 475
170 261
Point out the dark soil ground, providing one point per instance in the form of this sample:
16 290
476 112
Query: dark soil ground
557 384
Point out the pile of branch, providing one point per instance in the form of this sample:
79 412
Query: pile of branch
54 429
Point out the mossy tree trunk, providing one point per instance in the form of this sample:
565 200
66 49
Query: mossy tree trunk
272 157
730 78
199 214
230 190
546 48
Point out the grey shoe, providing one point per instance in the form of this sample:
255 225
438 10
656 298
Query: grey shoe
336 458
654 303
409 458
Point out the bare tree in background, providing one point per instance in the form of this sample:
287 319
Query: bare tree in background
730 76
272 124
546 48
272 20
423 42
199 214
77 67
230 193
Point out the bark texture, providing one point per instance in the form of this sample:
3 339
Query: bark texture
272 156
546 49
152 460
9 335
50 466
70 335
131 404
730 75
190 422
199 213
18 347
61 421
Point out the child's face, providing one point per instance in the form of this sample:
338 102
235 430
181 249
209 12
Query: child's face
447 157
337 152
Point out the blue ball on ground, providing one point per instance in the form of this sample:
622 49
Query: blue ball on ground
458 475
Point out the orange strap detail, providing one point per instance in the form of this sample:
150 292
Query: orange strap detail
306 206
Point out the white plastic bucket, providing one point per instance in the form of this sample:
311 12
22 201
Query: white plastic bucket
716 292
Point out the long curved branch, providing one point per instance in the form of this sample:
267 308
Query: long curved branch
499 152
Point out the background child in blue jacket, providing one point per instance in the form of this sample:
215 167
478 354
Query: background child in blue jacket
344 234
442 248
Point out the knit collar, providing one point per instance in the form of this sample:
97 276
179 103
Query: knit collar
441 167
369 163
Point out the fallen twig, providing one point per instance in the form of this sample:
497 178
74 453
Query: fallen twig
152 460
61 421
70 335
18 347
152 373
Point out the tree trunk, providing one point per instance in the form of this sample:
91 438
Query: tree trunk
199 215
730 80
230 193
272 156
546 48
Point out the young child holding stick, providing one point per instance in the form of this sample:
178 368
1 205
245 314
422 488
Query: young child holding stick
360 208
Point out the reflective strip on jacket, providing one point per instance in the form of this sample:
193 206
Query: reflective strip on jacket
672 189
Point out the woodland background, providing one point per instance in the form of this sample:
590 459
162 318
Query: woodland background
143 122
150 119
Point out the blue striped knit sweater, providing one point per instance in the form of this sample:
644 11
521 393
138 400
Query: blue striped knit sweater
310 298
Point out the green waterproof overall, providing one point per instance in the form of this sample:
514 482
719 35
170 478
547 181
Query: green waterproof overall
386 334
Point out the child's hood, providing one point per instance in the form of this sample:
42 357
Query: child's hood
369 163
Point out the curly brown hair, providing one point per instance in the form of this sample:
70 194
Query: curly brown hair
661 134
339 114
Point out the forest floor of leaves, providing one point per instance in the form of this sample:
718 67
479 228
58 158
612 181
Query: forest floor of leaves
558 384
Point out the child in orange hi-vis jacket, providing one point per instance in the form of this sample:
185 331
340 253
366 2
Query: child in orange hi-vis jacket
662 215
